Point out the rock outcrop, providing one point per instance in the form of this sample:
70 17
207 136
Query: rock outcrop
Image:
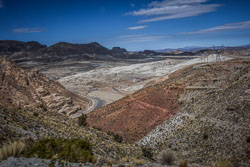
22 88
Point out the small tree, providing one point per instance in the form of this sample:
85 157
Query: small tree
82 120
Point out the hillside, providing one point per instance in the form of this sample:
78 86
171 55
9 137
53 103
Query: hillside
24 88
32 106
38 124
200 112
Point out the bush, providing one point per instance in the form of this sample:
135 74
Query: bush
167 158
223 163
35 114
12 149
71 150
183 163
117 137
205 136
82 120
248 139
147 152
138 162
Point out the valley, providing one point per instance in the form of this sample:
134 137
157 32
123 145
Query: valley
194 107
124 83
110 81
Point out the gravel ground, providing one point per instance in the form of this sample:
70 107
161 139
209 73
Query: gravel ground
33 162
37 162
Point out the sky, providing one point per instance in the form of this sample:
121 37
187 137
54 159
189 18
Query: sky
131 24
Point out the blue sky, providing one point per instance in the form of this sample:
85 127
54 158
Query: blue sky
132 24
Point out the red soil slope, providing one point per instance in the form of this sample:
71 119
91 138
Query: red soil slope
136 115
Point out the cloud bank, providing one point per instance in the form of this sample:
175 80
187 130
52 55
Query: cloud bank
173 9
225 27
137 27
27 30
140 38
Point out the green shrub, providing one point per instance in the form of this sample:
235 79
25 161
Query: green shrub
223 163
183 163
117 137
248 139
35 114
167 158
82 120
147 152
205 136
71 150
12 149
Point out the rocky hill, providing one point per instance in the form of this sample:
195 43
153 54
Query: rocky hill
9 46
200 112
64 50
22 88
61 51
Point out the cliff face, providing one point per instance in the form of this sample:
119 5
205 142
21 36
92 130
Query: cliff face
22 88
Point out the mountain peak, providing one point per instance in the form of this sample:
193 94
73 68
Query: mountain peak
95 44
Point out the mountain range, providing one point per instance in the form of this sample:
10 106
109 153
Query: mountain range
199 48
25 51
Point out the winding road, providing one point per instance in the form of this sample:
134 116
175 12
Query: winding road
95 104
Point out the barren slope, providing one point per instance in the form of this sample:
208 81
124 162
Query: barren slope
213 121
205 108
136 115
22 88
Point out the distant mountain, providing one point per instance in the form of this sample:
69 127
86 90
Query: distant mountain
24 51
62 51
185 49
199 48
246 46
9 46
119 50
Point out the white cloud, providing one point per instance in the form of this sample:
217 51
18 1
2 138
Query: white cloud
27 30
140 38
137 27
174 2
231 26
173 9
1 4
